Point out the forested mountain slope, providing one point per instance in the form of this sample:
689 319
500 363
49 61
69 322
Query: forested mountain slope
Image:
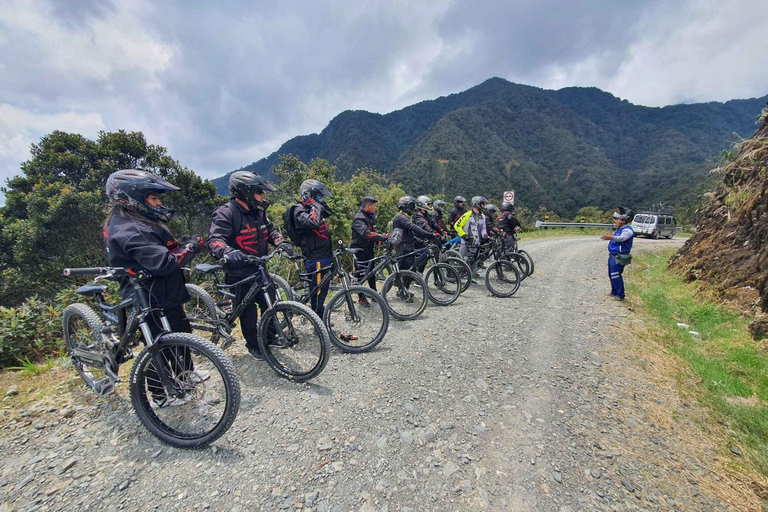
560 149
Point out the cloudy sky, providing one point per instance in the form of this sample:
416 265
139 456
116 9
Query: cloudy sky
222 84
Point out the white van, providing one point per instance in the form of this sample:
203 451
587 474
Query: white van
654 225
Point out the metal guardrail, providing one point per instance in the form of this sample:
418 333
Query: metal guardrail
540 224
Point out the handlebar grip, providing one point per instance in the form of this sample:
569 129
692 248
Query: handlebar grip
83 271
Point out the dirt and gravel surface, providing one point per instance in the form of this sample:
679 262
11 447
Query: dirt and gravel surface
538 402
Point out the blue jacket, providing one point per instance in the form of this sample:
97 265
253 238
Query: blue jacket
621 243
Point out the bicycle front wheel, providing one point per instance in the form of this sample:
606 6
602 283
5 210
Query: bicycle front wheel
185 390
283 289
521 262
530 261
294 341
443 284
502 278
357 319
406 294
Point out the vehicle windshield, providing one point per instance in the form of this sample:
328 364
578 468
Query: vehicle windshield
639 219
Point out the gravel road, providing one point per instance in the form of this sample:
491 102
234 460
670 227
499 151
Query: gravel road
537 402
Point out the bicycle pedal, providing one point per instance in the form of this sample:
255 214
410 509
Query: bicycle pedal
227 342
104 387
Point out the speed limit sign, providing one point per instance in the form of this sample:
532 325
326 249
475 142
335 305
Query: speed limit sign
509 196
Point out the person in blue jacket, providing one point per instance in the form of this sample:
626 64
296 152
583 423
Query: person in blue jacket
620 243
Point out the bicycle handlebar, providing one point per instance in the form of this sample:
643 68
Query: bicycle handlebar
85 271
258 260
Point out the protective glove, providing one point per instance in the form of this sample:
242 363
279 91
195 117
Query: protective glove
235 258
195 240
286 248
435 234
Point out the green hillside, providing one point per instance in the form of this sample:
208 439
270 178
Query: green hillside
561 149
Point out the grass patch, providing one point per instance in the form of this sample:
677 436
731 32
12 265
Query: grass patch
731 368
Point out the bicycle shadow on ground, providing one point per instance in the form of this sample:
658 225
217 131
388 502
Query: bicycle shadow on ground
253 373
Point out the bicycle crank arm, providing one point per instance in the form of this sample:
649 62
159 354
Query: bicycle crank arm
88 358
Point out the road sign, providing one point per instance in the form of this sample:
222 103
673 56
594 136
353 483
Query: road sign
509 196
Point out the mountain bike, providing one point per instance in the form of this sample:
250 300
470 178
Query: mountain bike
293 339
184 389
357 317
515 250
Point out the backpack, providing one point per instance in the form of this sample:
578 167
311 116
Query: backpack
395 242
290 227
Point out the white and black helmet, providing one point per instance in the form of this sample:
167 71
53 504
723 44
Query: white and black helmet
479 202
424 203
439 205
624 214
459 199
129 188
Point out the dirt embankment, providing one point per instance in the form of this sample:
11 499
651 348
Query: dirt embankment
730 247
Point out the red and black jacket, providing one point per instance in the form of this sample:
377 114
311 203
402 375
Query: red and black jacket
136 245
422 220
249 231
437 222
313 230
364 234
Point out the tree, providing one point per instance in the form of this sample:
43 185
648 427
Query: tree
54 210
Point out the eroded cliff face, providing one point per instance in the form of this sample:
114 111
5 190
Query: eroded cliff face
730 247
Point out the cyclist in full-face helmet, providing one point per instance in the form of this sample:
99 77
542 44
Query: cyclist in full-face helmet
241 228
459 208
310 221
136 237
411 231
471 227
437 217
508 224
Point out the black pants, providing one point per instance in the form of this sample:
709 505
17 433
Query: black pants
363 264
177 362
249 319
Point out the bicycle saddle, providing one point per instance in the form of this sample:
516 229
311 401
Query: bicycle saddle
89 290
205 267
353 250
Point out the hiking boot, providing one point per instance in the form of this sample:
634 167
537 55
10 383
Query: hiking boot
255 353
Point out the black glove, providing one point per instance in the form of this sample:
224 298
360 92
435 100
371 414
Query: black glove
467 239
235 258
286 248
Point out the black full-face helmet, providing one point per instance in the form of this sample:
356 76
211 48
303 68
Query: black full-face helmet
424 203
492 210
315 190
129 188
508 206
479 202
244 184
459 200
440 205
406 204
624 214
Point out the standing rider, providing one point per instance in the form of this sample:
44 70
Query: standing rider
136 237
471 228
455 214
437 217
309 218
411 230
365 236
620 244
241 228
508 224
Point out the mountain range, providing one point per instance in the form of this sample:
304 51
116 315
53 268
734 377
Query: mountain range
560 149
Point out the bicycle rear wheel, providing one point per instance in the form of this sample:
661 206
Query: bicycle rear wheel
444 284
406 294
86 344
357 319
200 397
521 262
463 269
502 278
202 313
284 290
294 341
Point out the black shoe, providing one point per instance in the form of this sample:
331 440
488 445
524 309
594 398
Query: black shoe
364 302
255 353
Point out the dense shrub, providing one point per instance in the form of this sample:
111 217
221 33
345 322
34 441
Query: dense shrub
30 331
